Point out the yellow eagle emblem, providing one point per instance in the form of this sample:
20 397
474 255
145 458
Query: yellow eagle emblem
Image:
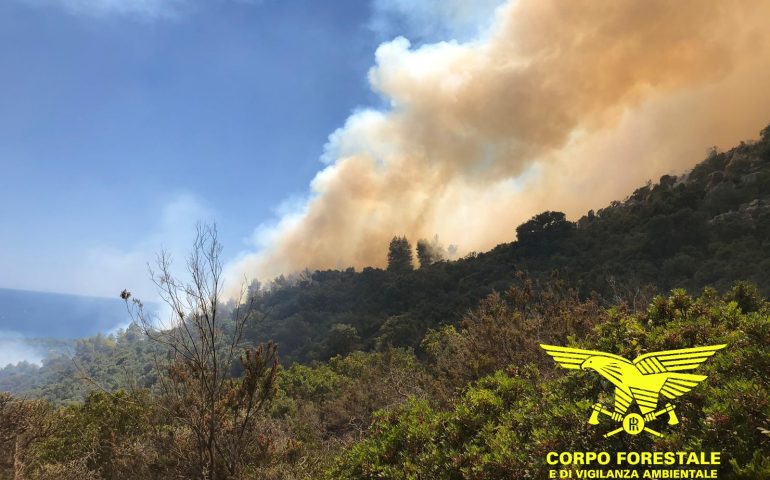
642 381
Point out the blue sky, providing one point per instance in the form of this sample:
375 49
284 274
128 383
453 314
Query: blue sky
121 127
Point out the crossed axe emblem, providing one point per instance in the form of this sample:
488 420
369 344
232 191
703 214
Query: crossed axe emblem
633 423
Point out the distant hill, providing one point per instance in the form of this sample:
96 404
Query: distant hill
60 316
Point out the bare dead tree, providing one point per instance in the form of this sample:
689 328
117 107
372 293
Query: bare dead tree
203 343
630 293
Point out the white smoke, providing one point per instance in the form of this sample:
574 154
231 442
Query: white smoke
14 349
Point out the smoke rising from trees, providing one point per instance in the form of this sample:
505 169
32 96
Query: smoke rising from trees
558 106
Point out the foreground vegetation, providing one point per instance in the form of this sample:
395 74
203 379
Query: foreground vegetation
484 403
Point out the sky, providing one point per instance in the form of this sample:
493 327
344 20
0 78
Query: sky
124 122
313 132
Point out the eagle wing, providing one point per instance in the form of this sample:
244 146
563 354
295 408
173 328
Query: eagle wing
675 360
574 357
680 383
672 362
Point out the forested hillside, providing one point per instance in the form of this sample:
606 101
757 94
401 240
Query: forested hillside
709 227
433 370
485 402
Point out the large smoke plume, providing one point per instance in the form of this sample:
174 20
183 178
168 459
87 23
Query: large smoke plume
562 105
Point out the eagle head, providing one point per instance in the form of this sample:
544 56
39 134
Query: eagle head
597 363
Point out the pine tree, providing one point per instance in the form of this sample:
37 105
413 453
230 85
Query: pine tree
400 255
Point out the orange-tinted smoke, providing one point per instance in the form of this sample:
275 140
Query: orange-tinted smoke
562 105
